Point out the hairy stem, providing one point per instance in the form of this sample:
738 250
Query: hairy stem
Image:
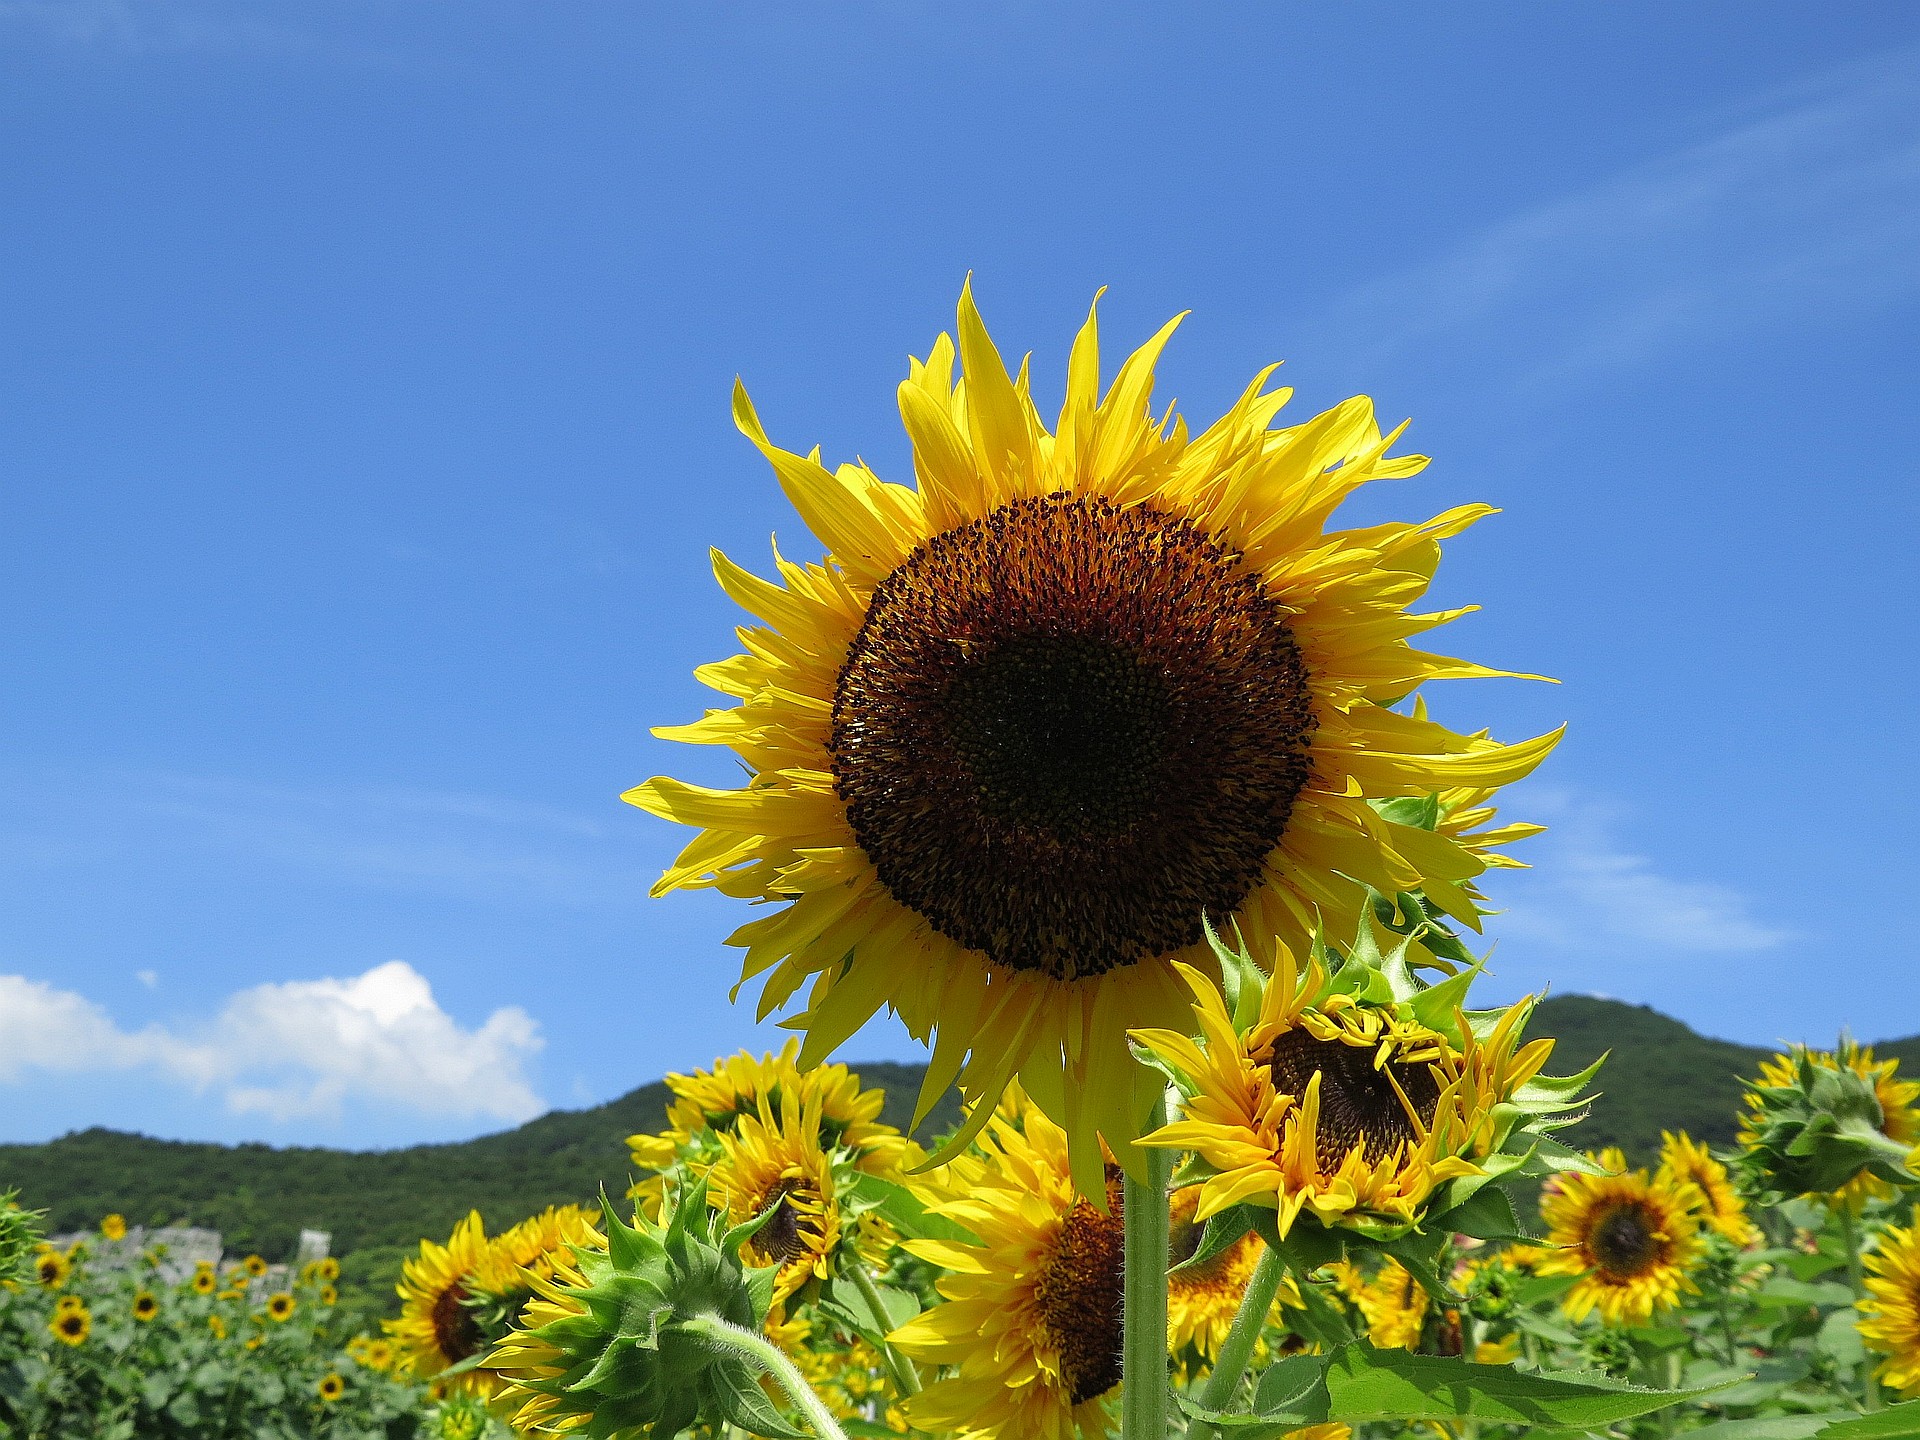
768 1356
1231 1363
905 1375
1856 1274
1145 1395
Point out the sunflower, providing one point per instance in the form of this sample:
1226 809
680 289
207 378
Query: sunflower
254 1266
71 1324
218 1325
437 1327
114 1227
280 1307
769 1163
1891 1308
1899 1106
1031 720
1307 1096
1684 1158
1391 1302
713 1100
1031 1322
204 1281
327 1269
329 1295
1631 1239
145 1306
51 1268
1203 1299
502 1280
331 1387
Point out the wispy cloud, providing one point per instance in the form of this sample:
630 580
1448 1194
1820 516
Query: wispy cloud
1587 891
1807 201
296 1049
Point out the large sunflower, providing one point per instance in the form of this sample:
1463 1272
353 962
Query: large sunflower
1891 1308
1899 1105
1310 1096
1033 718
437 1325
1631 1239
1031 1323
1685 1158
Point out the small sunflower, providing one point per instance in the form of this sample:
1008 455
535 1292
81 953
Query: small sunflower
204 1281
1631 1239
114 1227
1029 721
145 1306
254 1342
330 1388
254 1266
1317 1093
1392 1304
1031 1322
437 1327
713 1100
1203 1299
1899 1106
280 1307
51 1268
69 1302
769 1162
1890 1311
218 1325
71 1324
1684 1158
329 1296
327 1269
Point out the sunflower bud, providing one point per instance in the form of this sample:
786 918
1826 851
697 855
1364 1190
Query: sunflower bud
1813 1128
620 1341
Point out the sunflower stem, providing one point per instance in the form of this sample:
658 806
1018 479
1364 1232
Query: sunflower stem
1145 1394
1856 1274
1223 1381
762 1352
905 1374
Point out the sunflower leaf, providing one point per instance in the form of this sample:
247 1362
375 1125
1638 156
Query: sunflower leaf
1896 1422
1222 1230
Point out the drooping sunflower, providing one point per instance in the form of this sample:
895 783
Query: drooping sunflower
1684 1158
204 1282
280 1307
146 1305
51 1268
713 1100
437 1327
771 1161
1033 718
1899 1105
1630 1238
71 1324
1203 1299
1891 1308
1311 1094
1031 1322
331 1387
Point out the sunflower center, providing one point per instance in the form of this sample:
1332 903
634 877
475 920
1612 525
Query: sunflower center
1067 730
1078 1298
1358 1102
1624 1240
455 1330
781 1240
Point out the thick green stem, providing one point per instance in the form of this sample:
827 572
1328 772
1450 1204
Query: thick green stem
1726 1326
1856 1273
901 1366
1145 1395
768 1356
1231 1363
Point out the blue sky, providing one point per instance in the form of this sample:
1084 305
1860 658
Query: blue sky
367 370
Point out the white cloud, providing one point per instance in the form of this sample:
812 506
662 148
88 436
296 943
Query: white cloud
1808 202
1585 891
299 1048
148 978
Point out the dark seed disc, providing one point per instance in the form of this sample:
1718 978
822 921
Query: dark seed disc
1358 1105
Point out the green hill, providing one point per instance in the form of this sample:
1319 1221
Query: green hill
378 1204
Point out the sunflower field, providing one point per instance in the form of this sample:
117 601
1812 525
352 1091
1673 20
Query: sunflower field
1099 757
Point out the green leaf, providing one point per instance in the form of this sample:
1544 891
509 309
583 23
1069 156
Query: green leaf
1486 1214
1769 1378
1368 1384
1222 1230
741 1401
1784 1290
1766 1427
1896 1422
898 1206
1289 1395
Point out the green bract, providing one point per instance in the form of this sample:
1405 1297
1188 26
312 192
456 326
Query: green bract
1814 1134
